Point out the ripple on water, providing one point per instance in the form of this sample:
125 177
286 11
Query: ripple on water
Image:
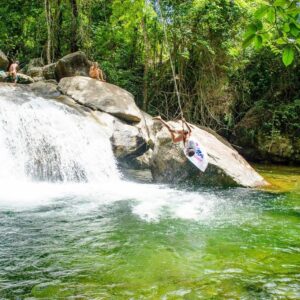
141 240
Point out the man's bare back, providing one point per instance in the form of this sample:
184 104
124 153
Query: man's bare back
96 73
12 71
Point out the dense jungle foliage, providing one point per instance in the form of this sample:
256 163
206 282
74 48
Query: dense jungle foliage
230 56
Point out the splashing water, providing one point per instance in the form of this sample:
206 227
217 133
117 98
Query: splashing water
71 228
47 141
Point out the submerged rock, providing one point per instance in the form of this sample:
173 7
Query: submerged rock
226 166
73 64
101 96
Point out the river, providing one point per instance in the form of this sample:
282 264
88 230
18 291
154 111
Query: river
72 228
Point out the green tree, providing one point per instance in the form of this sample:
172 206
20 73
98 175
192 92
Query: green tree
276 24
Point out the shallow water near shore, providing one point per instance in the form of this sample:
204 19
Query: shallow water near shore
141 241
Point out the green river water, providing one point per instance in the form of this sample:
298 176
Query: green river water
143 241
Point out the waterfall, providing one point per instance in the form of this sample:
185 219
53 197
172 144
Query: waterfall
42 140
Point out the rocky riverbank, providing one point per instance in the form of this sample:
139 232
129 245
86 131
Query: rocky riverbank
136 139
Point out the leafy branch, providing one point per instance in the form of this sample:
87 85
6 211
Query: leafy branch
276 24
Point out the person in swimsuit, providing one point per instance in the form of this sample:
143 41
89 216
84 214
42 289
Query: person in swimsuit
182 135
96 73
12 71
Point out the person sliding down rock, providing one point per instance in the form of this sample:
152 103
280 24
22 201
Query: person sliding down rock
96 73
182 135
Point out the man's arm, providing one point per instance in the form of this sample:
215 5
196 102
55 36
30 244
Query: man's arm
164 123
187 125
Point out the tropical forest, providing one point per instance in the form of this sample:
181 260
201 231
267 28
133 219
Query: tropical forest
149 149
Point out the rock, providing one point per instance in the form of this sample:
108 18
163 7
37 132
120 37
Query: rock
127 142
257 144
49 72
24 79
45 89
3 76
74 64
142 162
67 101
226 166
102 96
3 61
35 72
106 120
34 69
35 62
148 128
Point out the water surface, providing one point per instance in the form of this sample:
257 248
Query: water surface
142 241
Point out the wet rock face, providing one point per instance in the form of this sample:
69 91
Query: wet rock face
35 72
131 141
45 89
3 61
49 71
257 145
34 69
22 78
74 64
127 141
226 167
101 96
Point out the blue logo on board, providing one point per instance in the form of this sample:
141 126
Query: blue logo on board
199 153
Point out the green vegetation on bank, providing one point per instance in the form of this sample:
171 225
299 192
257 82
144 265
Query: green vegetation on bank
232 57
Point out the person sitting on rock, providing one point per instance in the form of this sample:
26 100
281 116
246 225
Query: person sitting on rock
96 73
12 71
182 135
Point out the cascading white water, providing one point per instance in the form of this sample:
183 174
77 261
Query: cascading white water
43 140
49 152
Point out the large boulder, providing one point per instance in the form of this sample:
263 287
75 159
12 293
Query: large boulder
257 142
74 64
148 128
35 72
35 62
3 61
45 89
49 71
101 96
226 166
127 142
34 69
22 78
3 76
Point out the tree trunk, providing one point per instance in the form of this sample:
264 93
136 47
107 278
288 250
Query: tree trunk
146 65
74 26
57 34
49 39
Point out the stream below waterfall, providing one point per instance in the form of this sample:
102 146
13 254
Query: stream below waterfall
72 228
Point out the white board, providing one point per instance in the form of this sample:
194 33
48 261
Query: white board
200 158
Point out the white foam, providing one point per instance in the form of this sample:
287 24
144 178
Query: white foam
49 152
45 140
